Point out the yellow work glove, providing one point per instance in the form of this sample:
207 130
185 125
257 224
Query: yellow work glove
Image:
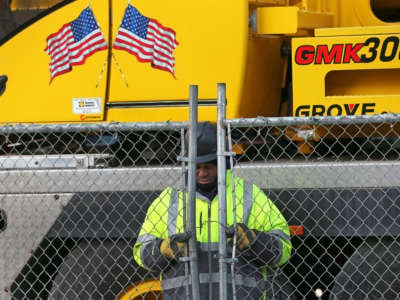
173 247
245 237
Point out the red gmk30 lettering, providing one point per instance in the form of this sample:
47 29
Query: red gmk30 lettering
335 109
373 48
308 54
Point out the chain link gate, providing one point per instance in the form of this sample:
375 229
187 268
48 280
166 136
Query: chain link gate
336 181
73 198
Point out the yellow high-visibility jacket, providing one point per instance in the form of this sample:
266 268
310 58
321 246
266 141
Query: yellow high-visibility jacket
164 218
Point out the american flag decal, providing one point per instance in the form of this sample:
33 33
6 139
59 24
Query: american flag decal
74 42
147 39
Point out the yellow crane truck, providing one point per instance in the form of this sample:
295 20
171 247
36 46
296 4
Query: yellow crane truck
277 57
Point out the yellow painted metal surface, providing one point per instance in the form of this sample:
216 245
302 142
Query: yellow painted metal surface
350 74
29 4
264 77
359 13
290 20
159 114
212 38
29 96
215 45
354 13
149 289
268 2
341 31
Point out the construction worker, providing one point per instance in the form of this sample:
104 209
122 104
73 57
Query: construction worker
261 231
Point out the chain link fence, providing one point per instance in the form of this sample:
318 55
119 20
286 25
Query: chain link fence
73 199
335 180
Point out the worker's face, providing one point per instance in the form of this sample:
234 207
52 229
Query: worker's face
206 173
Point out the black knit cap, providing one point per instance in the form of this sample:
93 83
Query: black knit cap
206 142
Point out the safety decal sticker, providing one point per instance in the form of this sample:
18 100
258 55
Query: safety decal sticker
86 106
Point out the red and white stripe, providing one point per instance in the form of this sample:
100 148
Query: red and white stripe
65 53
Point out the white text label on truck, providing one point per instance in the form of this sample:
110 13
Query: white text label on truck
86 106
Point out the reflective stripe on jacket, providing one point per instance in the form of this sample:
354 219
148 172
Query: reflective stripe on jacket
253 208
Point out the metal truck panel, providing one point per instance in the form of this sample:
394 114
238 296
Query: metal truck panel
215 45
29 96
315 175
87 180
29 217
212 48
354 74
290 20
357 30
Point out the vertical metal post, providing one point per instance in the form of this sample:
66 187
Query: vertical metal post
233 258
184 210
221 102
194 270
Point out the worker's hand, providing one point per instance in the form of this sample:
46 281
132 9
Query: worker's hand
245 237
173 247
